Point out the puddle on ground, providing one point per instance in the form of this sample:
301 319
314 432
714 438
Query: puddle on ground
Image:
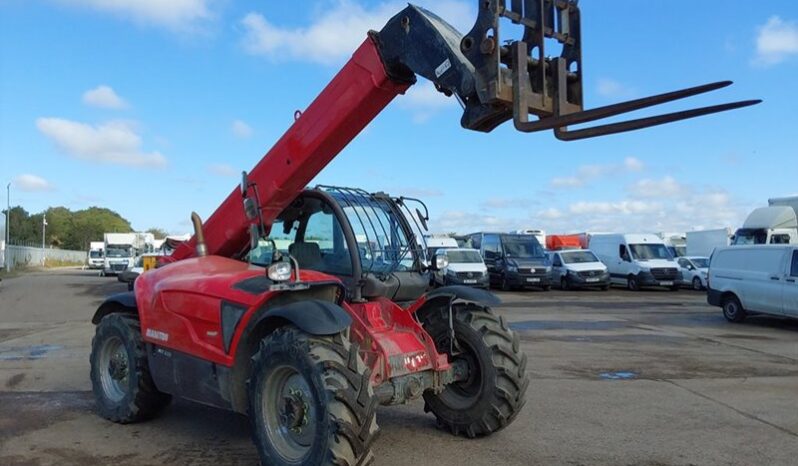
18 353
618 375
569 325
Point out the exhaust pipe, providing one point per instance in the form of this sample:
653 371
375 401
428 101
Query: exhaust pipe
202 250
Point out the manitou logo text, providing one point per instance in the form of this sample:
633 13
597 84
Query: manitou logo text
157 335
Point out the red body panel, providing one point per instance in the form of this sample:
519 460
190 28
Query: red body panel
557 242
356 95
180 309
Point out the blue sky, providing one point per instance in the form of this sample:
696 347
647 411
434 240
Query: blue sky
151 107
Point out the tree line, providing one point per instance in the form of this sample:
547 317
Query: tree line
67 229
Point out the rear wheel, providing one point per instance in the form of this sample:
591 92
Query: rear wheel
120 374
732 309
697 286
311 401
495 390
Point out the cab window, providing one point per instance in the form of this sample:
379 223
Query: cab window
557 262
794 267
780 239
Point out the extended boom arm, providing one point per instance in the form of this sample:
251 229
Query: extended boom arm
494 82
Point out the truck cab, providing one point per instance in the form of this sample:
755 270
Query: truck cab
117 259
775 224
96 256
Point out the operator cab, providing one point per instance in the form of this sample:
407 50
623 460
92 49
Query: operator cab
363 239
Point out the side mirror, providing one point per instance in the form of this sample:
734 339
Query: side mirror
422 219
250 208
254 236
244 184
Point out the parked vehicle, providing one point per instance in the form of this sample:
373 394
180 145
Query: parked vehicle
775 224
578 268
540 235
694 271
465 267
675 242
754 279
513 260
637 260
96 256
119 254
557 242
703 242
435 243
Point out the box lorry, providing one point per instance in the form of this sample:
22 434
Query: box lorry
701 243
775 224
121 250
559 242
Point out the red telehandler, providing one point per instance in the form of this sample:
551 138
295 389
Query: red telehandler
307 308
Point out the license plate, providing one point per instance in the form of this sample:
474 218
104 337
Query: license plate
469 281
533 280
592 280
665 283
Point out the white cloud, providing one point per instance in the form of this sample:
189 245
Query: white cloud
240 129
176 15
336 32
663 188
410 191
776 41
587 173
221 169
551 214
104 97
633 164
611 88
32 183
113 142
508 203
620 207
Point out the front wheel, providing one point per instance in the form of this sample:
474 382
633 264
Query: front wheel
311 401
733 310
632 284
494 392
120 374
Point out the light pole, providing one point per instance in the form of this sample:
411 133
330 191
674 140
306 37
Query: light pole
44 228
8 226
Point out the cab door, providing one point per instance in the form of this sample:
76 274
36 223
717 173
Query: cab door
790 288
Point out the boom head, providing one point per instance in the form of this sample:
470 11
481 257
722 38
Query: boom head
497 81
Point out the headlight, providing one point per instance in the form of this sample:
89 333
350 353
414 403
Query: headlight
548 269
441 262
512 268
280 271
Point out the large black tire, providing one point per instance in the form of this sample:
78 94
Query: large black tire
120 374
493 395
733 310
565 285
332 394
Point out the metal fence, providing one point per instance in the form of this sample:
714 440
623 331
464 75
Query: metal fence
19 256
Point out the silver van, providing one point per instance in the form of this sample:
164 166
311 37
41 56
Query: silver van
754 279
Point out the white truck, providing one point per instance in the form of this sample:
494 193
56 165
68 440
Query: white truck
675 242
96 256
539 234
121 250
775 224
701 243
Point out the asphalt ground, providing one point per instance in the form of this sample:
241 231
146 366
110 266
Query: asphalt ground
617 378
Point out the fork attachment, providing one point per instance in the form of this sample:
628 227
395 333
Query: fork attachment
496 82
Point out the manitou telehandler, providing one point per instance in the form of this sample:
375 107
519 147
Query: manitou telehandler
307 308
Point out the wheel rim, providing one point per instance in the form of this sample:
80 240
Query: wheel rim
731 309
289 414
464 394
633 284
696 283
114 369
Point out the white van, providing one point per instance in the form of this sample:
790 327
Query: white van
754 279
637 260
434 243
465 267
578 268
